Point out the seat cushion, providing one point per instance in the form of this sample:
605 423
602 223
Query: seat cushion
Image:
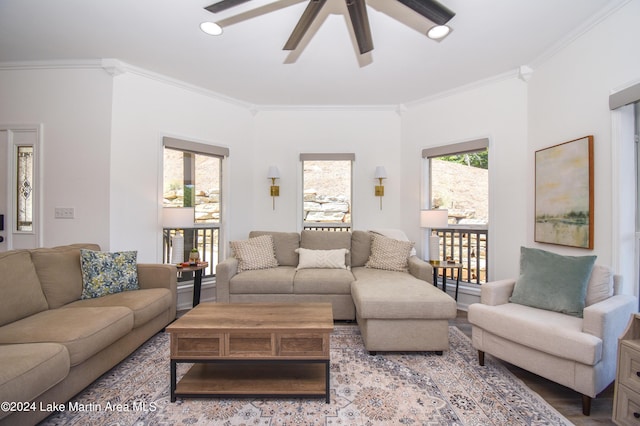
84 331
265 281
388 294
30 369
145 304
323 281
547 331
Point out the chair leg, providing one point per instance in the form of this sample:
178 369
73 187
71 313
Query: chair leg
481 358
586 405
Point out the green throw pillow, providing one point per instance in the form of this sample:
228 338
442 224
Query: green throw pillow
106 273
553 282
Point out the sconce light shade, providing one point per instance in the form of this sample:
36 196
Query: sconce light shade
273 173
434 218
381 173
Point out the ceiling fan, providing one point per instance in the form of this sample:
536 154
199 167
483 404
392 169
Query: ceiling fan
430 9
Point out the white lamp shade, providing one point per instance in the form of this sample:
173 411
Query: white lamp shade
381 173
178 217
434 218
273 173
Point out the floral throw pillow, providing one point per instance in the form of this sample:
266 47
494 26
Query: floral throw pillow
389 254
107 273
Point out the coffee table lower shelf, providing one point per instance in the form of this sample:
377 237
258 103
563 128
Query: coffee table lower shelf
252 379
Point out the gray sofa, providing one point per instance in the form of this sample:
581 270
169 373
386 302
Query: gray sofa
396 311
53 343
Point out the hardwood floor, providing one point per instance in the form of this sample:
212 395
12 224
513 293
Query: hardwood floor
565 400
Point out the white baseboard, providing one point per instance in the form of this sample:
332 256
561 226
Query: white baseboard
185 293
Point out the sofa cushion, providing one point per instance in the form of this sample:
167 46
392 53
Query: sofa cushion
326 259
389 254
600 285
551 332
30 369
323 281
266 281
255 253
146 304
107 273
387 294
360 248
59 272
84 331
20 291
285 244
553 282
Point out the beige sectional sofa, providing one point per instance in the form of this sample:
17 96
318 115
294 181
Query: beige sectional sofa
53 343
395 310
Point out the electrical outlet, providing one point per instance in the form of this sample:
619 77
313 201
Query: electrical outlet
64 212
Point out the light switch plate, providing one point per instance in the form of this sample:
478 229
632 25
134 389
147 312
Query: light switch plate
64 213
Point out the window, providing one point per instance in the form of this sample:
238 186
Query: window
24 190
458 180
192 177
326 186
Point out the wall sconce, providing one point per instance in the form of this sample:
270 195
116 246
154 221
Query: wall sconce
177 218
380 174
434 218
274 174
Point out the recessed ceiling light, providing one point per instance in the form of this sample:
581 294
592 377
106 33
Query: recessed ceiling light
438 32
211 28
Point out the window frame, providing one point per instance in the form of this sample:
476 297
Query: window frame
336 226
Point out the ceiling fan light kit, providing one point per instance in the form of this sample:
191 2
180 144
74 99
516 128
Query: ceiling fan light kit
430 9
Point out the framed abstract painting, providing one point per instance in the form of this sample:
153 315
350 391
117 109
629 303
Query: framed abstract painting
564 194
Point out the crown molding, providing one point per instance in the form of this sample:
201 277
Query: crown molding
298 108
51 65
604 13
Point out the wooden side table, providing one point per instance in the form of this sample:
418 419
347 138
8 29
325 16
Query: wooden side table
197 278
444 265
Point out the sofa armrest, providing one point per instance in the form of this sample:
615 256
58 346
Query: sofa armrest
157 275
225 270
608 318
420 269
496 292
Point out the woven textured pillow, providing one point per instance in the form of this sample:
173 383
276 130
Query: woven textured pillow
324 259
255 253
107 273
389 254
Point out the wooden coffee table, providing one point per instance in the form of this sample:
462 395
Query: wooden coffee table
252 350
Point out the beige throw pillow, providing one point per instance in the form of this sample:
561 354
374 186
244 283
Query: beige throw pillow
389 254
255 253
325 259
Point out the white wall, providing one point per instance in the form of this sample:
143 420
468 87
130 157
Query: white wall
568 99
145 110
372 135
494 110
74 107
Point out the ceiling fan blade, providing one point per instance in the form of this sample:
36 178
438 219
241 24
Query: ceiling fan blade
360 22
430 9
224 5
310 13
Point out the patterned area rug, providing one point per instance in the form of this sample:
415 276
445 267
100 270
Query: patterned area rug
387 389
